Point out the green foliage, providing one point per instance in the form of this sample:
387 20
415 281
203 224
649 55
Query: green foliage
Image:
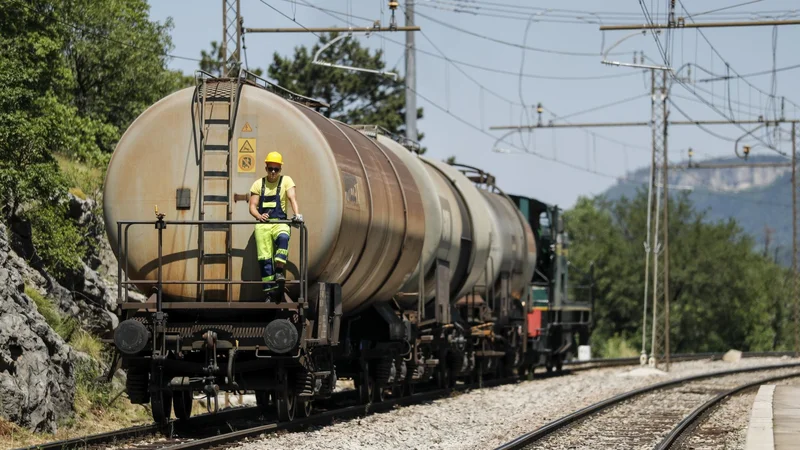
722 294
82 179
617 346
73 75
354 97
58 241
213 63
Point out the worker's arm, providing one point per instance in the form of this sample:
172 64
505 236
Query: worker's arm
254 199
290 193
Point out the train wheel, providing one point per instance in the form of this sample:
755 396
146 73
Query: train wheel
304 408
161 405
182 404
285 403
379 394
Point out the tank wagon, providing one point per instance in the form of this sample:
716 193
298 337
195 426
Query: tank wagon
406 270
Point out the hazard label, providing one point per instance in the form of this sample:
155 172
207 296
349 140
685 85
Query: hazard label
246 128
247 145
247 163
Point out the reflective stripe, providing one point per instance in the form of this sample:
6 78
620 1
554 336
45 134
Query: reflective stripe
282 251
269 278
268 205
280 260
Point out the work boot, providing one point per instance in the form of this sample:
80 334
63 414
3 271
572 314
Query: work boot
280 280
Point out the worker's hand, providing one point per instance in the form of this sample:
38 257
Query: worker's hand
264 217
298 218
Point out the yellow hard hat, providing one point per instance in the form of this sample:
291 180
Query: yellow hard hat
274 157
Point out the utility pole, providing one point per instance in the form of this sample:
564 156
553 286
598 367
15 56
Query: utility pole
659 180
659 347
411 76
796 277
231 37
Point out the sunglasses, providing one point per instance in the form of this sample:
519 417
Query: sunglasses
273 169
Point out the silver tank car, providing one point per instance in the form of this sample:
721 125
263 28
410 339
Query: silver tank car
377 214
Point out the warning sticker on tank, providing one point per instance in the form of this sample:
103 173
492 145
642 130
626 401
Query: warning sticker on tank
351 190
247 145
247 162
246 128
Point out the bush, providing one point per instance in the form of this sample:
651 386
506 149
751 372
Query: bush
617 347
56 239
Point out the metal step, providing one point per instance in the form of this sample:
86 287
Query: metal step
218 98
215 255
215 199
216 148
215 175
216 227
217 122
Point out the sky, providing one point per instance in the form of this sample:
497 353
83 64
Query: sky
561 69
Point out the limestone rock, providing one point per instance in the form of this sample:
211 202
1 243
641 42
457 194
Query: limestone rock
732 356
37 380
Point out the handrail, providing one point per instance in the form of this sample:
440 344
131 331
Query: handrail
160 225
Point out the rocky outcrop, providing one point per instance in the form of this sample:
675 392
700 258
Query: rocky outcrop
37 379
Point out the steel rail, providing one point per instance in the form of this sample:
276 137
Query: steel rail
563 422
152 429
691 420
334 414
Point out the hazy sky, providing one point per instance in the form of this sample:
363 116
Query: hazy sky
456 108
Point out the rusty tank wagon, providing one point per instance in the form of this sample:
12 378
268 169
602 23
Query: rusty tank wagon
405 271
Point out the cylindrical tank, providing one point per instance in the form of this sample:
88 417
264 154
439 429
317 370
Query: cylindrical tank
514 250
432 209
476 227
361 202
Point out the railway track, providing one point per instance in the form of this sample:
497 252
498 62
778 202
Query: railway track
639 418
233 423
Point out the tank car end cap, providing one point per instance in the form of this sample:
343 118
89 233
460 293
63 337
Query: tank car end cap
280 335
131 336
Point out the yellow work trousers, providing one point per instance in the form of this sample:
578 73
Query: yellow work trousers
272 246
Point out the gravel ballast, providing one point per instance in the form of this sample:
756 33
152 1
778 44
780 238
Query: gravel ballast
486 418
726 426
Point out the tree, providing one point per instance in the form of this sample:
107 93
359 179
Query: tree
73 75
212 62
354 97
723 293
118 61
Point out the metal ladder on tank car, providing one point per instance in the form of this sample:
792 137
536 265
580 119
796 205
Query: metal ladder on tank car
217 101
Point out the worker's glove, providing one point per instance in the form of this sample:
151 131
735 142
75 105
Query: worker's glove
298 218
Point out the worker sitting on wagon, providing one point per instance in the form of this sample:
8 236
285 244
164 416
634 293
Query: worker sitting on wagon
268 202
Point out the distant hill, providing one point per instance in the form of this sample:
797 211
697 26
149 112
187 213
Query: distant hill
758 198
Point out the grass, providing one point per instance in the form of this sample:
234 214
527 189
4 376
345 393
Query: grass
64 328
83 178
618 347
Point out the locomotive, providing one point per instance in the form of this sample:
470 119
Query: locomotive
407 271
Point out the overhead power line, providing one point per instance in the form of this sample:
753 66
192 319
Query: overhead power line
514 44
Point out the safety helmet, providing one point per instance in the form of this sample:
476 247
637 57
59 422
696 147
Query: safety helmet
274 157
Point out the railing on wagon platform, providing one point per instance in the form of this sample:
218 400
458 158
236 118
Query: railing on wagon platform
123 281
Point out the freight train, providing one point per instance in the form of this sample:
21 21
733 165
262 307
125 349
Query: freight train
405 272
